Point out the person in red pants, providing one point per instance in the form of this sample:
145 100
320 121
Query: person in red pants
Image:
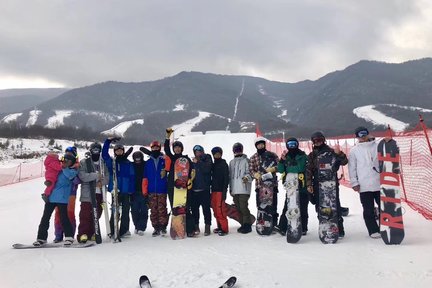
219 186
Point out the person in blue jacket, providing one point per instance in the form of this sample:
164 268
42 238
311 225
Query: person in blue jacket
125 181
155 188
59 198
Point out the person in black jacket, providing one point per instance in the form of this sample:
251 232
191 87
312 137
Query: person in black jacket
219 187
200 194
139 208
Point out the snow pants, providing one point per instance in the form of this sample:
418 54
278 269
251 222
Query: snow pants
86 224
158 210
219 210
367 200
42 233
241 202
201 198
58 229
139 211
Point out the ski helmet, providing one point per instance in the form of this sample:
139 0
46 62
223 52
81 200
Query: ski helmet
361 132
260 140
119 147
155 143
69 157
95 148
237 148
177 144
216 150
72 150
138 156
292 143
198 148
316 136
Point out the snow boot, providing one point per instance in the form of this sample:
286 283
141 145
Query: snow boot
207 230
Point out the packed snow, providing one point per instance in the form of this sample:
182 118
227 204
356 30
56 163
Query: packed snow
257 261
375 117
121 128
185 128
179 107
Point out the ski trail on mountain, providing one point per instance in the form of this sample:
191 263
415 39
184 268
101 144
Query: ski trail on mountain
237 102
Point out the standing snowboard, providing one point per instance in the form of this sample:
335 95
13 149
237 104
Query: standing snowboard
328 230
179 210
233 213
94 204
265 205
391 222
294 225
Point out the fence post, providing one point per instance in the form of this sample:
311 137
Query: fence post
426 134
19 174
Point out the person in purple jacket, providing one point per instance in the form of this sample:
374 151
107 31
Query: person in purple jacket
59 198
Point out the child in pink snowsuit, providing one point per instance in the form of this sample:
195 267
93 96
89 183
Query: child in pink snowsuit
53 167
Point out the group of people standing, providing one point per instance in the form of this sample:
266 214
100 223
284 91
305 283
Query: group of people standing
146 184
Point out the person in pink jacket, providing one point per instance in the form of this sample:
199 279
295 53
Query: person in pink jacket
53 167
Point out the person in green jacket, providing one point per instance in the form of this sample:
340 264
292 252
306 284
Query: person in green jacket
294 160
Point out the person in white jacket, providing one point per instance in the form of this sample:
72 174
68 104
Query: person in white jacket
364 177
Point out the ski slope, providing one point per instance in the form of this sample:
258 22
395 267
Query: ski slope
355 261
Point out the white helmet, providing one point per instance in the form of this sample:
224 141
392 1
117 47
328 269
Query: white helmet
260 140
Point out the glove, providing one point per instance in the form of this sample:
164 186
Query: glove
271 170
356 188
189 184
169 131
47 183
245 179
284 153
257 176
310 189
163 173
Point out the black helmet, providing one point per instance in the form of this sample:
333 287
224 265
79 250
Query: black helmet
177 144
361 132
317 135
95 148
237 148
216 150
138 155
292 143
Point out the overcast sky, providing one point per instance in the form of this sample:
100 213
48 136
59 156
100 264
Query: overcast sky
47 43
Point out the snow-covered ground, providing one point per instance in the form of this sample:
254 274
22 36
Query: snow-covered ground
10 117
33 116
185 128
121 128
375 117
58 119
355 261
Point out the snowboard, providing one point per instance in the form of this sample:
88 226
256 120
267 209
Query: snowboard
52 245
391 222
92 184
328 230
144 282
179 210
265 207
233 213
294 225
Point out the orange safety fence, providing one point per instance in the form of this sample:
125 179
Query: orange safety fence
415 162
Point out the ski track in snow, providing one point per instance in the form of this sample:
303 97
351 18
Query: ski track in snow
58 119
33 116
10 117
375 117
185 128
121 128
357 261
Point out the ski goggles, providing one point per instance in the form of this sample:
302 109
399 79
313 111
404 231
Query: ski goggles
198 148
362 133
292 144
318 140
95 150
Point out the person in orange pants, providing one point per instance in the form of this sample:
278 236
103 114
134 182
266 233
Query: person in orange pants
219 186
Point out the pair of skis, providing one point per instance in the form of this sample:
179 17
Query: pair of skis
144 282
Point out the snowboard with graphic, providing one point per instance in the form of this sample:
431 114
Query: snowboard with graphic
179 210
391 222
294 225
265 206
328 230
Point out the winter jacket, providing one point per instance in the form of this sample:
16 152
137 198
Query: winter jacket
220 176
53 167
173 158
63 186
203 167
152 176
86 177
295 163
312 164
260 162
363 158
238 169
124 171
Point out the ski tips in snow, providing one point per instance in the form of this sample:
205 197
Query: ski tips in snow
229 283
144 282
